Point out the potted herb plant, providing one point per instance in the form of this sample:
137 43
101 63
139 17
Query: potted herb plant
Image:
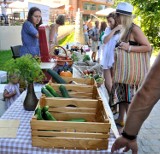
30 71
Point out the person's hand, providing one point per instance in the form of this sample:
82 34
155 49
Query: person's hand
117 28
124 46
121 142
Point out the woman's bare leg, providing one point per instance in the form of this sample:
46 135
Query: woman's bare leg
108 80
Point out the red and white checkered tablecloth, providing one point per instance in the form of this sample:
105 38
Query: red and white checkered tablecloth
22 144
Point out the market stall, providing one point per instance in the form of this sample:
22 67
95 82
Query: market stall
27 140
22 144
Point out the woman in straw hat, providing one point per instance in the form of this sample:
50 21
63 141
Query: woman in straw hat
137 43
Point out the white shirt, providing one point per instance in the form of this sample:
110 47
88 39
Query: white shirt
10 89
4 8
108 53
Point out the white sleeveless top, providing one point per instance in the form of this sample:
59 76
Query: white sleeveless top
108 53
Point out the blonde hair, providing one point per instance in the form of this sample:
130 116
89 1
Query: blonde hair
126 22
13 76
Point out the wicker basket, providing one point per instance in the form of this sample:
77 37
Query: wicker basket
61 60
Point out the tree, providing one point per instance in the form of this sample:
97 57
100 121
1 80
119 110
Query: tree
147 13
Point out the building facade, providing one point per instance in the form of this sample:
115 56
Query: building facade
89 7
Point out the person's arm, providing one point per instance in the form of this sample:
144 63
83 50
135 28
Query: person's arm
110 35
141 105
6 94
51 34
137 36
144 100
30 29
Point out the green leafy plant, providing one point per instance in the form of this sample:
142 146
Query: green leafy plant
27 66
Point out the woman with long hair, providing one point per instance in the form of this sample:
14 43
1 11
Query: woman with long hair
137 43
101 44
110 38
29 33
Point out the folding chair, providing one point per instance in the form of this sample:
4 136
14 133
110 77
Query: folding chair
16 51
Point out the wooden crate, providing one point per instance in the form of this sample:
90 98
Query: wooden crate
92 134
78 91
84 81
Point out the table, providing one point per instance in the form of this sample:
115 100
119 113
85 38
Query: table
22 144
47 65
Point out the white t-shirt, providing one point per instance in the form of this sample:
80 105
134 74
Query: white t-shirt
108 53
4 8
10 89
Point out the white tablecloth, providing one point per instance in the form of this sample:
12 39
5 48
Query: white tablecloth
22 144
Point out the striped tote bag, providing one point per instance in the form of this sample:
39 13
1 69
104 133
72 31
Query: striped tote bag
130 67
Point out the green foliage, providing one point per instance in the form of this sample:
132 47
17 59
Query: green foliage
147 13
4 56
27 66
74 57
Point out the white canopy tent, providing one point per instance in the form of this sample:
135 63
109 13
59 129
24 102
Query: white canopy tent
105 12
19 6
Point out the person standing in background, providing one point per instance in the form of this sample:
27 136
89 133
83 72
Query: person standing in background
4 7
110 38
29 33
53 34
101 45
89 25
85 30
94 35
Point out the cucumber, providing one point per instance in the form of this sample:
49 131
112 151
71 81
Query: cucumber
56 76
45 108
96 76
64 91
46 92
38 113
52 91
49 116
77 120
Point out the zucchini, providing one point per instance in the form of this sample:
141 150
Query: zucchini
38 113
77 120
64 91
96 76
56 76
45 108
46 92
49 116
52 91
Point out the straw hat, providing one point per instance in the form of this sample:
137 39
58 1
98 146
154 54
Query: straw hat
124 8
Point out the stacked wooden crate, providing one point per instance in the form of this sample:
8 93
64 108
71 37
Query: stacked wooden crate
86 104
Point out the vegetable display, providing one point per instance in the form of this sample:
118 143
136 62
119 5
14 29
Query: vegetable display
55 76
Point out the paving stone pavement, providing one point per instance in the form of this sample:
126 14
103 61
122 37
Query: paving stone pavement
149 135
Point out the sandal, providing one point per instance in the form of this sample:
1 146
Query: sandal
120 124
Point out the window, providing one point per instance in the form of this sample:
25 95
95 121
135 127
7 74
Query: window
101 7
89 6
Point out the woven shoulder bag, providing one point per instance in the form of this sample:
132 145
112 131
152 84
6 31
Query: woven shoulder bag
131 67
